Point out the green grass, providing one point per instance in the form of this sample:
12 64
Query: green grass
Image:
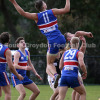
93 93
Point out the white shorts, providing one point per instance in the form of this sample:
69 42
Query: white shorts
51 82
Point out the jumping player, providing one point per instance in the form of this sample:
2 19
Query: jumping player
6 58
47 22
22 63
69 65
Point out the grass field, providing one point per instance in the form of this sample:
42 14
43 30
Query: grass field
93 93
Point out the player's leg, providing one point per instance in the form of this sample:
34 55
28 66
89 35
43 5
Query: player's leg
50 60
63 87
5 85
73 94
52 52
55 94
62 92
21 90
33 87
7 91
77 96
57 97
81 90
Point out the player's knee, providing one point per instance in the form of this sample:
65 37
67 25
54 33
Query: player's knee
83 92
49 63
56 91
8 93
23 94
8 96
37 92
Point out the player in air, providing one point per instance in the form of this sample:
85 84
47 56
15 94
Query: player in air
47 23
69 66
6 58
22 62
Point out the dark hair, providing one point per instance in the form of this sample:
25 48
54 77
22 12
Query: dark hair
65 35
4 37
18 39
38 5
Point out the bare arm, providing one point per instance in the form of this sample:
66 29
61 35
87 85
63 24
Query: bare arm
22 12
10 64
33 69
61 64
62 10
83 46
16 60
83 33
82 64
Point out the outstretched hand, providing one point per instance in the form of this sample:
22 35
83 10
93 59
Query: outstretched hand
38 76
84 76
20 77
90 35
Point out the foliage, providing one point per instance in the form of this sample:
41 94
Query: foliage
84 15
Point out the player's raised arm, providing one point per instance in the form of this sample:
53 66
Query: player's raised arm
22 12
83 33
83 46
62 10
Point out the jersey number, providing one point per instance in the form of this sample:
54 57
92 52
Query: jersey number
46 18
70 54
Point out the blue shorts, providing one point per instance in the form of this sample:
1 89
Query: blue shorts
4 80
70 81
56 44
16 81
